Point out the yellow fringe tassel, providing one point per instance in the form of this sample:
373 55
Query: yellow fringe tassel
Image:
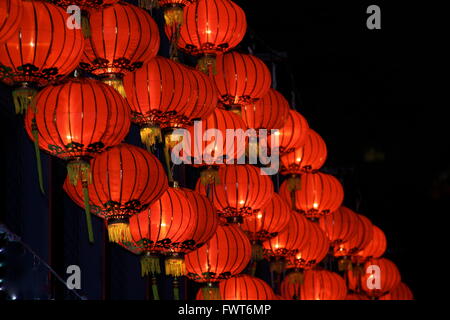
117 84
345 264
294 183
79 170
296 278
150 265
211 293
173 16
23 98
119 232
148 4
209 176
175 266
150 136
207 64
277 266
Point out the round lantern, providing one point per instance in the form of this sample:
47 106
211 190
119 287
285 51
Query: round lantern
361 237
241 79
313 194
40 51
376 278
339 226
225 255
309 158
313 251
120 186
401 292
288 242
245 287
316 285
10 15
168 228
375 248
210 28
293 134
270 112
241 191
123 38
74 121
205 143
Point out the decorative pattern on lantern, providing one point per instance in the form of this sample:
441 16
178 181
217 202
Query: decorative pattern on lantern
123 38
40 51
167 227
270 112
401 292
205 147
309 158
11 12
339 226
362 235
210 28
241 79
316 285
240 192
245 287
225 255
376 278
288 242
313 252
374 249
313 194
120 186
293 134
74 121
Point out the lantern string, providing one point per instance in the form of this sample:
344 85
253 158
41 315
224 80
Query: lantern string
38 154
176 289
155 288
87 210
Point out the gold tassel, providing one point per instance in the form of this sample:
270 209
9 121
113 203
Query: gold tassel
209 176
23 98
345 264
277 266
207 64
296 278
155 288
85 25
79 170
150 264
119 232
151 135
35 132
211 292
116 83
175 266
148 4
173 16
257 251
172 140
294 183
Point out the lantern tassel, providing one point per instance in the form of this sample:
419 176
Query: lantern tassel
150 265
85 25
176 289
296 278
293 185
167 158
209 176
277 266
150 136
155 288
119 232
79 170
38 154
87 210
211 292
257 251
175 266
344 264
207 64
116 83
148 4
22 98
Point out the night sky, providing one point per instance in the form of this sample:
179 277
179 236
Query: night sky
360 89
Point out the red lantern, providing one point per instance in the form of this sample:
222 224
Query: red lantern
316 285
377 277
207 147
294 132
120 186
241 191
340 225
241 79
10 15
225 255
310 157
315 195
42 50
362 236
288 242
270 112
76 120
313 251
401 292
210 28
375 248
123 38
270 221
355 296
245 287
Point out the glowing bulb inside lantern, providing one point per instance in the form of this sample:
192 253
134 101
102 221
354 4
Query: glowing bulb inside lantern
208 31
277 133
315 205
241 202
299 159
259 216
163 224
